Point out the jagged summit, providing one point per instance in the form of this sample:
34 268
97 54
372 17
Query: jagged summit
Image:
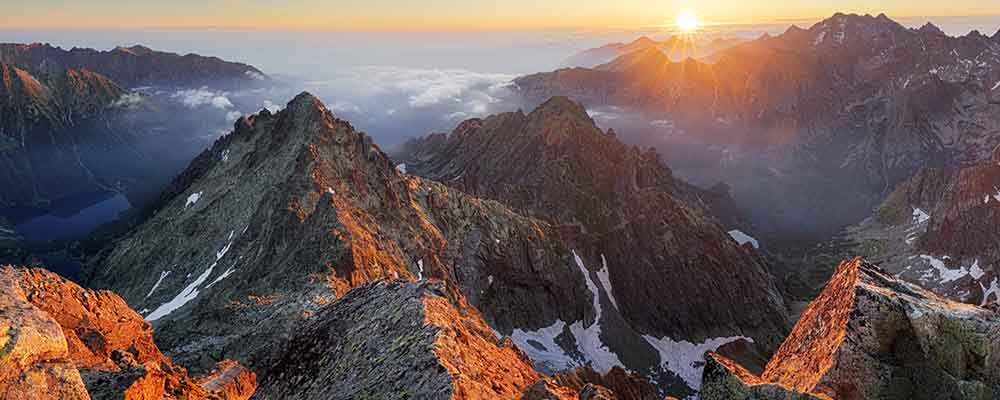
136 50
930 28
871 336
305 104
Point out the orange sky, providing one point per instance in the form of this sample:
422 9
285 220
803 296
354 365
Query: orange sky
448 14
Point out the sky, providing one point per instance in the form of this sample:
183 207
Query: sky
444 15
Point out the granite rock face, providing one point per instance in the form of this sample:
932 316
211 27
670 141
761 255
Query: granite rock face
396 340
938 229
872 336
34 358
89 345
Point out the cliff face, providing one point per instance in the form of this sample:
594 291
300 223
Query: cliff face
938 229
872 336
79 343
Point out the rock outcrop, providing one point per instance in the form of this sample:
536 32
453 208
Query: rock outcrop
34 358
396 340
71 332
872 336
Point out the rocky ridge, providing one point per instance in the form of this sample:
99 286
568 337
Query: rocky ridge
397 340
130 66
69 342
291 211
872 336
677 47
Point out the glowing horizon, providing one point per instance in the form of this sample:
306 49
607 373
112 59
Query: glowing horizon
442 15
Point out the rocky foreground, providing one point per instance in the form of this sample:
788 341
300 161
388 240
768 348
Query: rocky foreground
872 336
61 341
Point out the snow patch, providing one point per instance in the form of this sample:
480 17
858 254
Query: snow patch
189 293
192 199
975 272
588 339
993 290
946 274
605 277
221 277
420 266
548 356
743 238
919 216
540 346
996 86
158 282
401 168
819 38
687 359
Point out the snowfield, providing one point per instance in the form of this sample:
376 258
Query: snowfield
743 238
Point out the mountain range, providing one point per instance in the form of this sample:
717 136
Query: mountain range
293 210
69 126
526 255
130 67
676 47
831 117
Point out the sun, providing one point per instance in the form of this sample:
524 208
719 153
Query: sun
687 21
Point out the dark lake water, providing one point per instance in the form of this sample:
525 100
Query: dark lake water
66 218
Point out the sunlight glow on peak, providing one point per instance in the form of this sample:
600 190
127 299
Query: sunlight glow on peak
687 21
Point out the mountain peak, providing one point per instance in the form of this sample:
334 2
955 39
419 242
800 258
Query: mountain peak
306 104
643 40
306 99
560 105
931 28
136 50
